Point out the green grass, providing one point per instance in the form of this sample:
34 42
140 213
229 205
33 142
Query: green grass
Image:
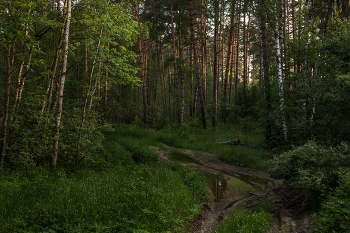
195 138
180 156
122 188
136 198
242 220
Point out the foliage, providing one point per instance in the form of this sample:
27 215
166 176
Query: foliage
242 220
128 199
32 138
334 214
334 50
312 167
334 107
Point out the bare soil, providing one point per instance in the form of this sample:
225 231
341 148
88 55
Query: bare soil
232 186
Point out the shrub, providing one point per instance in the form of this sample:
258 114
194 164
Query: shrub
334 214
312 167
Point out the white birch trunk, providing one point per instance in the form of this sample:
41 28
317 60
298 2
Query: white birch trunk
61 84
303 111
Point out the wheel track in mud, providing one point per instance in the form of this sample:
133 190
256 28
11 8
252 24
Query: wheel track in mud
288 206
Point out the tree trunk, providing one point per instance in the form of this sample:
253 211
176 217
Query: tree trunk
61 84
199 85
178 111
231 72
228 63
278 37
303 110
20 85
244 63
215 78
144 93
6 109
160 74
237 62
265 77
204 57
294 33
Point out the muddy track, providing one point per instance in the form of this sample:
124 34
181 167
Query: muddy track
232 186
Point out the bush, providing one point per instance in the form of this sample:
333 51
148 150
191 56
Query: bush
335 211
312 167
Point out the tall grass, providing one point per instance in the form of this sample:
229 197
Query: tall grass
135 198
242 221
121 188
188 137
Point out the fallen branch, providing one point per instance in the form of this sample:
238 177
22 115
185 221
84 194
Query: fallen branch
232 142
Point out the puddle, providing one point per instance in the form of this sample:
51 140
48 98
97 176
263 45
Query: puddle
217 185
236 185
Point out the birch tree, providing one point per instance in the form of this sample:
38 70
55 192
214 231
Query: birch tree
278 39
61 83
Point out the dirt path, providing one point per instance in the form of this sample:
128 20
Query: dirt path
232 186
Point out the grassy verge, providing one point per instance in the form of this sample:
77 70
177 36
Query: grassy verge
242 220
135 198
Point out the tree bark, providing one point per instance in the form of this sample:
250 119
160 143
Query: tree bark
144 93
265 77
204 57
228 63
294 33
160 74
6 109
199 85
245 63
278 39
305 73
215 78
178 111
237 62
61 85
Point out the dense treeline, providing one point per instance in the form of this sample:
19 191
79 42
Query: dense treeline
281 65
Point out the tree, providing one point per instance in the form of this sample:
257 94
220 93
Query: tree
198 80
144 95
228 62
61 83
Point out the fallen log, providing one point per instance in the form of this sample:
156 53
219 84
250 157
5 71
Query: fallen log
232 142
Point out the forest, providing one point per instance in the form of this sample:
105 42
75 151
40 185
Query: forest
94 92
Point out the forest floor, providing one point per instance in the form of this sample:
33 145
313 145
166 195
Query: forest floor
232 186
